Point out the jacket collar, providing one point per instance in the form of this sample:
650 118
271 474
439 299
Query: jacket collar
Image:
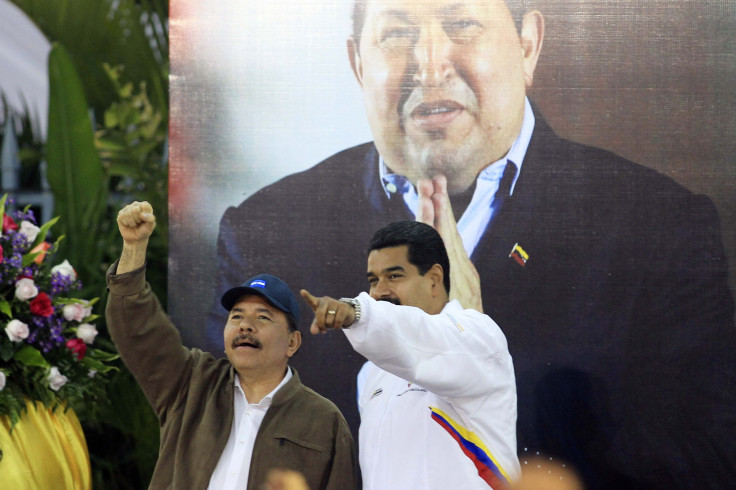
288 391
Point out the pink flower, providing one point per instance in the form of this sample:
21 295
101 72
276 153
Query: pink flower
78 348
75 312
16 330
41 305
25 289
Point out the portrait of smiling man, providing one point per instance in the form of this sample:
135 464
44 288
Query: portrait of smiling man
608 278
443 83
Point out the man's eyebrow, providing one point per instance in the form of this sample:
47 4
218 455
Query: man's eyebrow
404 16
393 269
454 8
259 309
400 14
387 270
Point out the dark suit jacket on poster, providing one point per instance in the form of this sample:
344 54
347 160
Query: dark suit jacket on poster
620 324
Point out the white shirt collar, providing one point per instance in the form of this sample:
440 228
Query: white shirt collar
268 399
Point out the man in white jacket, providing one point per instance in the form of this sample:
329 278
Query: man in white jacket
437 398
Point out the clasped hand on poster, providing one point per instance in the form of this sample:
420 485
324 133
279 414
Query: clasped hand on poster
435 210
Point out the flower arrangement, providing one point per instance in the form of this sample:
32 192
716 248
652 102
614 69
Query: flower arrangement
47 336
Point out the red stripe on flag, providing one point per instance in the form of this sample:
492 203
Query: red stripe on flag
484 471
518 258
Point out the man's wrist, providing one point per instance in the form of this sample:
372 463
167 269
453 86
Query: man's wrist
132 257
356 309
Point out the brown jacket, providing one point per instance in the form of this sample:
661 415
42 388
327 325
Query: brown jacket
192 394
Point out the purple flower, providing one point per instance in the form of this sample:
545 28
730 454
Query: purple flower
46 332
15 260
61 283
28 215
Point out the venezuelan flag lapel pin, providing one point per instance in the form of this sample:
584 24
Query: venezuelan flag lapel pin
519 255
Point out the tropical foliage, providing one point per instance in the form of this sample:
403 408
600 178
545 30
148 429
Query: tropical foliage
106 144
129 33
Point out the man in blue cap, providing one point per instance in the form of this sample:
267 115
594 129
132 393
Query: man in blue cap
225 423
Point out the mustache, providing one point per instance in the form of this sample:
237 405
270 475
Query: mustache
456 91
246 338
394 301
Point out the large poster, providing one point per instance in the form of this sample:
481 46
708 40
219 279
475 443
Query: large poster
619 278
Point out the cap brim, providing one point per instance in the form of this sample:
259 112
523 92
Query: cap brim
231 296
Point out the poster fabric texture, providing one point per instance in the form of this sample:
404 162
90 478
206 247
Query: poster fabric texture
607 268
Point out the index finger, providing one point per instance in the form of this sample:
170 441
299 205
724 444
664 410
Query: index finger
146 211
440 184
444 217
425 209
311 300
145 207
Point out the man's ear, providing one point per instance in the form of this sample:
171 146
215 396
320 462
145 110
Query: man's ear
532 38
354 57
295 341
437 275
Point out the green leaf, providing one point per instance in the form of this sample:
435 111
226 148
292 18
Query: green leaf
44 230
2 205
111 119
103 356
31 356
74 169
58 300
58 241
6 350
107 144
29 257
91 363
5 308
126 90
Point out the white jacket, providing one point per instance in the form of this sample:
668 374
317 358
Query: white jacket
437 401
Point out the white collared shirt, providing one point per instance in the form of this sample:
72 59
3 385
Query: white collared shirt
478 214
437 400
233 468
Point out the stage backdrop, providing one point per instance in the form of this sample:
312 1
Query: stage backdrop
262 89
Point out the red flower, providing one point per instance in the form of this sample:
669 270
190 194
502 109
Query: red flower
41 305
8 223
77 346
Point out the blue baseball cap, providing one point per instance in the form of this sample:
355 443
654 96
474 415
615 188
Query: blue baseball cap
273 289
